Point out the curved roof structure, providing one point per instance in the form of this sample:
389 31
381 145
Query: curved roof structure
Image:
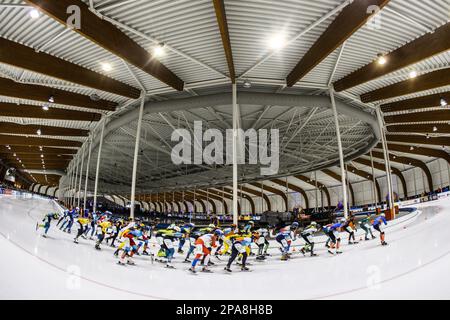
59 85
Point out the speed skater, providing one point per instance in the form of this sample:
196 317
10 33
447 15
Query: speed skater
47 222
378 224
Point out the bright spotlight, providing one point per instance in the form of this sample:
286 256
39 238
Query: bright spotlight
34 14
413 74
277 42
107 67
443 102
381 59
158 50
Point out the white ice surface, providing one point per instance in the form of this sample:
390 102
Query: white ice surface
414 266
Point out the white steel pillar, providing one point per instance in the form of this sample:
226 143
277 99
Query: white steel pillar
341 154
81 177
386 160
235 166
136 154
87 173
75 181
316 190
374 192
97 171
70 177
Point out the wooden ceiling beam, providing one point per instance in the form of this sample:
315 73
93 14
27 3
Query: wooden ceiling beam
293 187
350 20
35 112
27 58
109 37
422 151
31 141
221 16
32 157
410 162
338 177
420 128
320 185
367 176
422 48
429 116
382 167
8 127
428 81
413 139
36 150
424 102
10 88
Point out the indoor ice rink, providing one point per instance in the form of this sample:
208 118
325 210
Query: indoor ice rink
224 149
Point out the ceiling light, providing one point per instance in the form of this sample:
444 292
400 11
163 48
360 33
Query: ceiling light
428 136
94 97
381 59
45 107
14 154
34 14
443 102
413 74
247 84
8 147
158 50
42 155
106 67
39 132
411 148
277 42
51 99
435 129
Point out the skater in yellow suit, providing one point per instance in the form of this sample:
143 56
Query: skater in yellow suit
101 231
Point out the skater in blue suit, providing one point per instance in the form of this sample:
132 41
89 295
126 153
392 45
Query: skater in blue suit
378 224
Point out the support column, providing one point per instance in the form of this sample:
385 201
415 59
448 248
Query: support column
69 186
87 173
374 191
341 154
386 161
75 182
347 185
235 166
136 154
287 194
316 191
81 177
97 171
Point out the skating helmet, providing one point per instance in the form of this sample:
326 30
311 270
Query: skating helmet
191 225
251 222
176 228
294 224
212 225
218 232
383 215
342 220
314 223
